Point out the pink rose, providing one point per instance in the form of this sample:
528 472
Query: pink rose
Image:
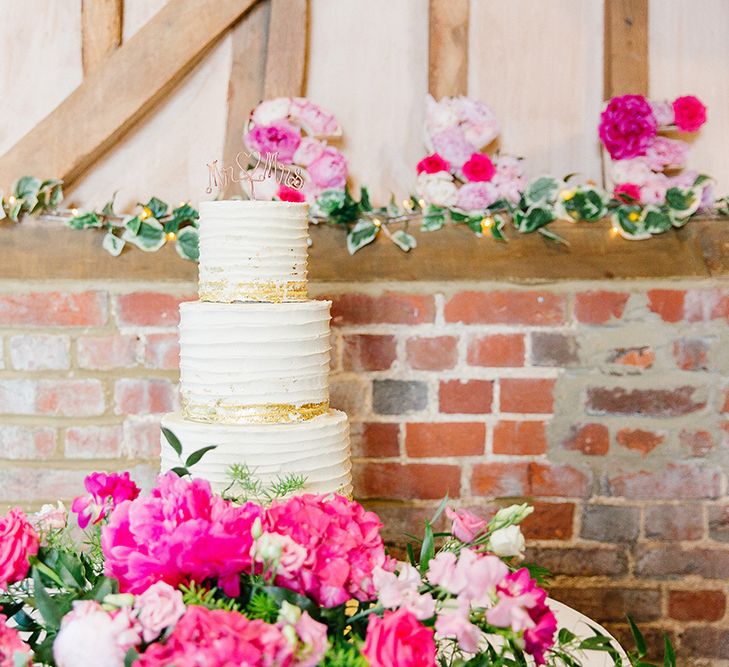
281 137
286 193
106 491
316 121
628 193
158 608
466 526
476 197
690 113
452 145
12 646
50 517
329 170
398 639
309 150
18 542
479 168
313 636
508 188
663 111
432 164
666 153
627 126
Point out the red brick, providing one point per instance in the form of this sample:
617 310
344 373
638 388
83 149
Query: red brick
506 307
695 605
388 308
469 397
141 439
432 354
600 307
428 481
27 443
369 352
550 521
103 353
54 309
149 309
698 443
674 523
638 357
674 481
673 559
144 396
667 303
702 641
590 439
611 604
520 438
650 402
692 354
162 351
527 395
39 352
445 439
70 398
93 442
639 440
579 561
34 485
528 479
558 481
375 440
706 304
497 350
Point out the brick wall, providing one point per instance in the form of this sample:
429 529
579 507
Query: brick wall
606 408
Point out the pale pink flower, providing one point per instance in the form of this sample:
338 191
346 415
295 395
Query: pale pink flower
663 111
454 623
50 517
508 188
281 138
309 150
440 116
316 121
280 552
18 542
270 111
443 571
453 146
508 166
476 197
653 190
630 171
400 590
466 525
684 179
158 608
437 189
13 651
398 639
483 574
329 170
666 153
314 642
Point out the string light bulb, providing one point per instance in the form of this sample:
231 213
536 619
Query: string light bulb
614 231
567 194
74 212
146 213
171 236
407 205
421 203
486 223
377 222
633 216
11 200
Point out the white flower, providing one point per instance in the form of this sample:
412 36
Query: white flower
280 552
51 517
289 613
507 541
437 189
269 111
630 171
441 115
512 514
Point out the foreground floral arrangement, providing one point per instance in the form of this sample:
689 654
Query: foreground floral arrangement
181 576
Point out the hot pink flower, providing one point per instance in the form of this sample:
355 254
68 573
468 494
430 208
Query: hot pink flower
628 193
281 137
158 608
540 636
466 525
452 145
180 532
286 193
627 126
665 152
479 168
432 164
329 170
219 639
12 646
690 113
18 542
398 639
106 491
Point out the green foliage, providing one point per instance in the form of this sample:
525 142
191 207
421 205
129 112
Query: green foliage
210 598
263 606
343 654
188 244
245 485
363 233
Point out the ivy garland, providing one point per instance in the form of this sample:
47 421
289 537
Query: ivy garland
544 200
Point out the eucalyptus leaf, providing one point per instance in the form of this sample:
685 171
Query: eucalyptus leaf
360 235
188 244
403 240
113 244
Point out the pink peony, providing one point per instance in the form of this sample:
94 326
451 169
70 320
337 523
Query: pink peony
476 197
280 137
18 542
479 168
286 193
466 526
663 111
452 145
509 167
158 608
631 171
653 191
627 193
309 150
316 121
342 542
329 170
432 164
13 651
627 126
509 188
398 639
270 111
180 532
219 639
106 491
690 113
666 153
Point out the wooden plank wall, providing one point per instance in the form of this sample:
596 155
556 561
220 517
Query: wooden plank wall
543 66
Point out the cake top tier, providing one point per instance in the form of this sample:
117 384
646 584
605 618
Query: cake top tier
253 251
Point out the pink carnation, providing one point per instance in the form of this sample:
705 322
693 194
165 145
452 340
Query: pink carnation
158 608
18 542
398 639
286 193
665 153
466 525
690 113
219 639
479 168
476 197
628 193
627 126
452 145
343 546
329 170
180 532
12 646
106 491
432 164
281 137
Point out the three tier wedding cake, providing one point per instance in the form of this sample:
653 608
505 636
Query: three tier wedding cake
254 355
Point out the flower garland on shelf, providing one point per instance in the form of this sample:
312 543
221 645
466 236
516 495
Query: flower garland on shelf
462 180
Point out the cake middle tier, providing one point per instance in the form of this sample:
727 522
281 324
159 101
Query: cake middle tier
254 362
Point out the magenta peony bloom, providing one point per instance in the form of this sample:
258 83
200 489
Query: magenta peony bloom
540 637
466 525
479 168
106 491
398 639
627 126
286 193
329 170
220 639
18 542
12 646
689 112
180 532
628 193
343 545
281 137
432 164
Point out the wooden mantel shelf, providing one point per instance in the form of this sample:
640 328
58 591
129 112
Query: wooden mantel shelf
699 250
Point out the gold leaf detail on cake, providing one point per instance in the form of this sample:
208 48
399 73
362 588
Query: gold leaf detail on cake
270 292
273 413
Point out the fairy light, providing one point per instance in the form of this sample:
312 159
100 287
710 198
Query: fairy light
146 213
486 223
633 216
11 200
377 222
74 212
171 236
567 194
407 205
421 203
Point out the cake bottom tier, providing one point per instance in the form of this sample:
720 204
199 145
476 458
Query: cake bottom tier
317 449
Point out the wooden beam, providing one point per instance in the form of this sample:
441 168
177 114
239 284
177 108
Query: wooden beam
448 48
128 85
101 31
626 47
245 86
288 30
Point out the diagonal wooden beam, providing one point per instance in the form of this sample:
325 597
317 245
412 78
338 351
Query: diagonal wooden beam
288 30
114 98
101 31
626 47
448 48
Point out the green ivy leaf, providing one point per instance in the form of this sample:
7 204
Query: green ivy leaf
586 204
433 219
188 243
151 235
360 235
331 200
27 188
497 228
157 207
113 244
403 240
133 224
683 202
534 218
541 190
364 199
185 214
15 210
108 209
656 221
84 220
